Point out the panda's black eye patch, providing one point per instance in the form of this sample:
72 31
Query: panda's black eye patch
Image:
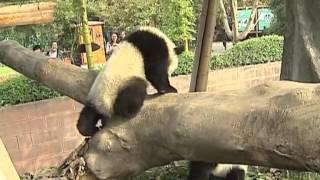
130 98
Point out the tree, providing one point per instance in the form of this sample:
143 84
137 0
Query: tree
178 20
233 34
175 17
300 60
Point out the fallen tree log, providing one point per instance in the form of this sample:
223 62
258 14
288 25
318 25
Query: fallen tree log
50 72
273 125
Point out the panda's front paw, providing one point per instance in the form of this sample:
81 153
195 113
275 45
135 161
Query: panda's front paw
87 121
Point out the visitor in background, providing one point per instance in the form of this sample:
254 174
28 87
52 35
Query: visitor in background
54 51
110 46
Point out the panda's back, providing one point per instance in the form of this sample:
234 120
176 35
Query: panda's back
126 60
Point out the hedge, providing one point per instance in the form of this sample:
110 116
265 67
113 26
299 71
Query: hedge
20 89
185 64
253 51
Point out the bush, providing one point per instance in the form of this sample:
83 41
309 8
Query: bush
252 51
185 64
20 89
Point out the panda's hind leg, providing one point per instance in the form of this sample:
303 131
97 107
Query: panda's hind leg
200 170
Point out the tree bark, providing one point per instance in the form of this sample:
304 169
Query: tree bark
234 11
301 53
65 78
273 125
225 20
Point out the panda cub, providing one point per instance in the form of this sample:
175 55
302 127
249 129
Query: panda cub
146 55
209 171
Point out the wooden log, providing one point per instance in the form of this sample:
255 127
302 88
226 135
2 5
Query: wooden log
24 8
27 14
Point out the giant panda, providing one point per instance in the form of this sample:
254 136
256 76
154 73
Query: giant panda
146 55
209 171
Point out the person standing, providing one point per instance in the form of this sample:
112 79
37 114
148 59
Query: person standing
54 51
110 46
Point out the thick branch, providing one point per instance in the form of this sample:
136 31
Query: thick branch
250 23
67 79
225 20
234 10
275 125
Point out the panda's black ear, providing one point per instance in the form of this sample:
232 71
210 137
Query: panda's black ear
179 49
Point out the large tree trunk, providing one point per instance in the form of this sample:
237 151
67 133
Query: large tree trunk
301 54
273 125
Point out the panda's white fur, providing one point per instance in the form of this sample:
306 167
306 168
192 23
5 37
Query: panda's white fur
125 63
221 170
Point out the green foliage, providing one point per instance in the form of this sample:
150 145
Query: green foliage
125 14
252 51
178 19
175 17
185 64
20 89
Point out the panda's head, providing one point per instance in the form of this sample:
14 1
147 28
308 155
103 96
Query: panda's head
159 54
